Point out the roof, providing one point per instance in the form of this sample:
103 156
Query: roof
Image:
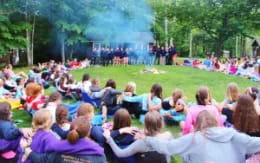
256 42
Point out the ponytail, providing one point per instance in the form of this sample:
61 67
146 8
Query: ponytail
201 96
73 136
80 128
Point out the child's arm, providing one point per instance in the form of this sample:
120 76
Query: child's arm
158 105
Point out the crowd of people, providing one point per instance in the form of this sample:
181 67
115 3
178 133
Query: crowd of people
80 132
139 55
245 67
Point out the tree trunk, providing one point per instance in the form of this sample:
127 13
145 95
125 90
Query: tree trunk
32 39
63 50
28 43
219 50
243 46
190 54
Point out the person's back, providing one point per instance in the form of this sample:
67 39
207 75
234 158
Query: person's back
209 143
193 113
61 158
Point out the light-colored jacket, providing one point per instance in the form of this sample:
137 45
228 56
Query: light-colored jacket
215 145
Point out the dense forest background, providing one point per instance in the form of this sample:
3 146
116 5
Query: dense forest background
61 29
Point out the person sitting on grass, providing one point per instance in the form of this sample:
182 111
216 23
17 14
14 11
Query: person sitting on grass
203 103
62 125
35 98
150 101
85 84
229 103
208 143
8 130
52 103
42 137
122 132
253 92
3 92
245 118
95 91
78 146
132 107
109 100
174 108
96 132
153 125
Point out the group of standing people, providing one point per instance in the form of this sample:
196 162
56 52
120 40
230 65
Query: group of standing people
148 56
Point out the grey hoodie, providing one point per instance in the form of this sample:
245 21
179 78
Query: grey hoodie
216 145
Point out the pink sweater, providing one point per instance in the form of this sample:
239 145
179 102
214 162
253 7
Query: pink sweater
193 113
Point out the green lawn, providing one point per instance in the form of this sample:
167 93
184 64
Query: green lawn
188 79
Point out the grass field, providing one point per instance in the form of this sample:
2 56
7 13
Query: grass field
186 78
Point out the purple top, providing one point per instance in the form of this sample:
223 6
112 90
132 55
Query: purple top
44 141
8 145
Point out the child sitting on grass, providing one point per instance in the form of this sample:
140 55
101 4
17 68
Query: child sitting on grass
95 91
8 130
62 125
35 97
109 100
203 99
87 110
122 132
153 125
229 103
174 108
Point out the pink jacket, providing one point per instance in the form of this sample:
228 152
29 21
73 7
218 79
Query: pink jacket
193 113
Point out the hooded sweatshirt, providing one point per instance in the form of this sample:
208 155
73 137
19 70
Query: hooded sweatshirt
216 145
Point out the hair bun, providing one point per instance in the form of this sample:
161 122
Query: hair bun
73 136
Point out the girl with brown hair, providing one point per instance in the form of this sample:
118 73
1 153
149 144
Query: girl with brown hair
62 125
8 130
109 100
52 103
253 93
245 118
153 125
122 133
203 103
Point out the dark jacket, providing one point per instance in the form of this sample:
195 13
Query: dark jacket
109 98
131 107
8 131
56 128
60 158
122 141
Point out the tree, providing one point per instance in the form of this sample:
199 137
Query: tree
221 20
11 28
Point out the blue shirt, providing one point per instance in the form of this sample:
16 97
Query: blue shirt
143 99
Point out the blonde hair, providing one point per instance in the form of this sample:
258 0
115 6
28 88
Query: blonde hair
85 109
153 123
205 120
232 92
130 87
94 81
42 119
